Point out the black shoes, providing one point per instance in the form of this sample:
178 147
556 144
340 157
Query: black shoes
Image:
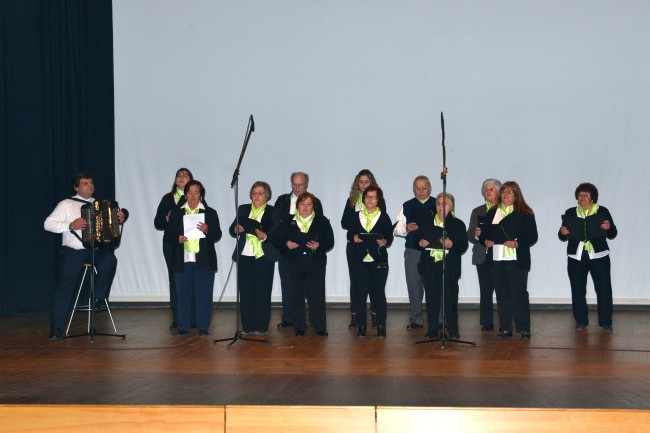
431 335
525 334
608 328
100 305
373 317
299 333
381 330
174 325
284 324
203 332
362 330
57 335
580 326
487 328
321 333
182 333
414 325
353 321
504 334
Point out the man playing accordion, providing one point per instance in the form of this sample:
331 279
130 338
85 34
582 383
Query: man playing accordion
66 219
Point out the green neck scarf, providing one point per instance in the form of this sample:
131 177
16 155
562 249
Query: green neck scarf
192 245
304 222
369 218
178 194
425 200
584 214
360 203
438 253
488 206
505 211
255 242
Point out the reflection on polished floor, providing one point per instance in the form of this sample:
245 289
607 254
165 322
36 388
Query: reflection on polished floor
557 368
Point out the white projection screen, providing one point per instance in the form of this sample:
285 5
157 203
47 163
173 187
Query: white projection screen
547 93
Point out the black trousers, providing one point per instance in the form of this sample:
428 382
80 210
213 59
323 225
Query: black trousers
602 278
511 285
370 278
255 285
71 266
287 315
486 285
433 292
353 289
306 279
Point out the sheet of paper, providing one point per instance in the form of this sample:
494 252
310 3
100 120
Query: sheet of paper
189 226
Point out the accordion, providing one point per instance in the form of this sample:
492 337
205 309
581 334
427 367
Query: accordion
103 229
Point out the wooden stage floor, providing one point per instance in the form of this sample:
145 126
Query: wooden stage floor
558 368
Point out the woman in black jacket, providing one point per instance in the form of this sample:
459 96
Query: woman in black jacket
194 257
257 256
509 233
303 241
170 201
455 243
370 234
354 204
587 228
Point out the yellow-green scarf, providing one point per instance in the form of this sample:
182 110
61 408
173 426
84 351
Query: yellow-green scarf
437 253
255 242
584 214
304 222
369 217
505 211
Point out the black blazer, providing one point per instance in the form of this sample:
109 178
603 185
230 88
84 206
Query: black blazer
526 236
456 231
319 230
283 203
349 213
166 204
599 244
206 258
269 223
478 250
383 226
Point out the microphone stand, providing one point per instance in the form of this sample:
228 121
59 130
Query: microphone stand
235 183
443 336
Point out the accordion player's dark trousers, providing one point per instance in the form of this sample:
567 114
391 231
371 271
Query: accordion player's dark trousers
71 266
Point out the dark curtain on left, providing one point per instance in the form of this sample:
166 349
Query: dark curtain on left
56 118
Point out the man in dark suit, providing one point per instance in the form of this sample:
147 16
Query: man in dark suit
285 205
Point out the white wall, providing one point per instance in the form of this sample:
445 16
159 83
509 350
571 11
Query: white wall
547 93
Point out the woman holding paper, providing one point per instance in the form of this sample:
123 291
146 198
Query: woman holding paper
490 191
194 229
257 257
509 233
455 243
370 234
304 241
587 228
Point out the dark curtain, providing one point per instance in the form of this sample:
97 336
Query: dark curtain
56 118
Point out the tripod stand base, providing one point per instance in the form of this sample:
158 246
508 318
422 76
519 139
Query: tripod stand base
240 336
443 339
92 333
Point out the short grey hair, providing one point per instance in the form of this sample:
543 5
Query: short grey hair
486 182
266 186
451 198
295 173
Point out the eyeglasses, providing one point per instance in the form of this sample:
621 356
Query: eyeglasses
584 194
182 176
493 189
507 191
371 197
